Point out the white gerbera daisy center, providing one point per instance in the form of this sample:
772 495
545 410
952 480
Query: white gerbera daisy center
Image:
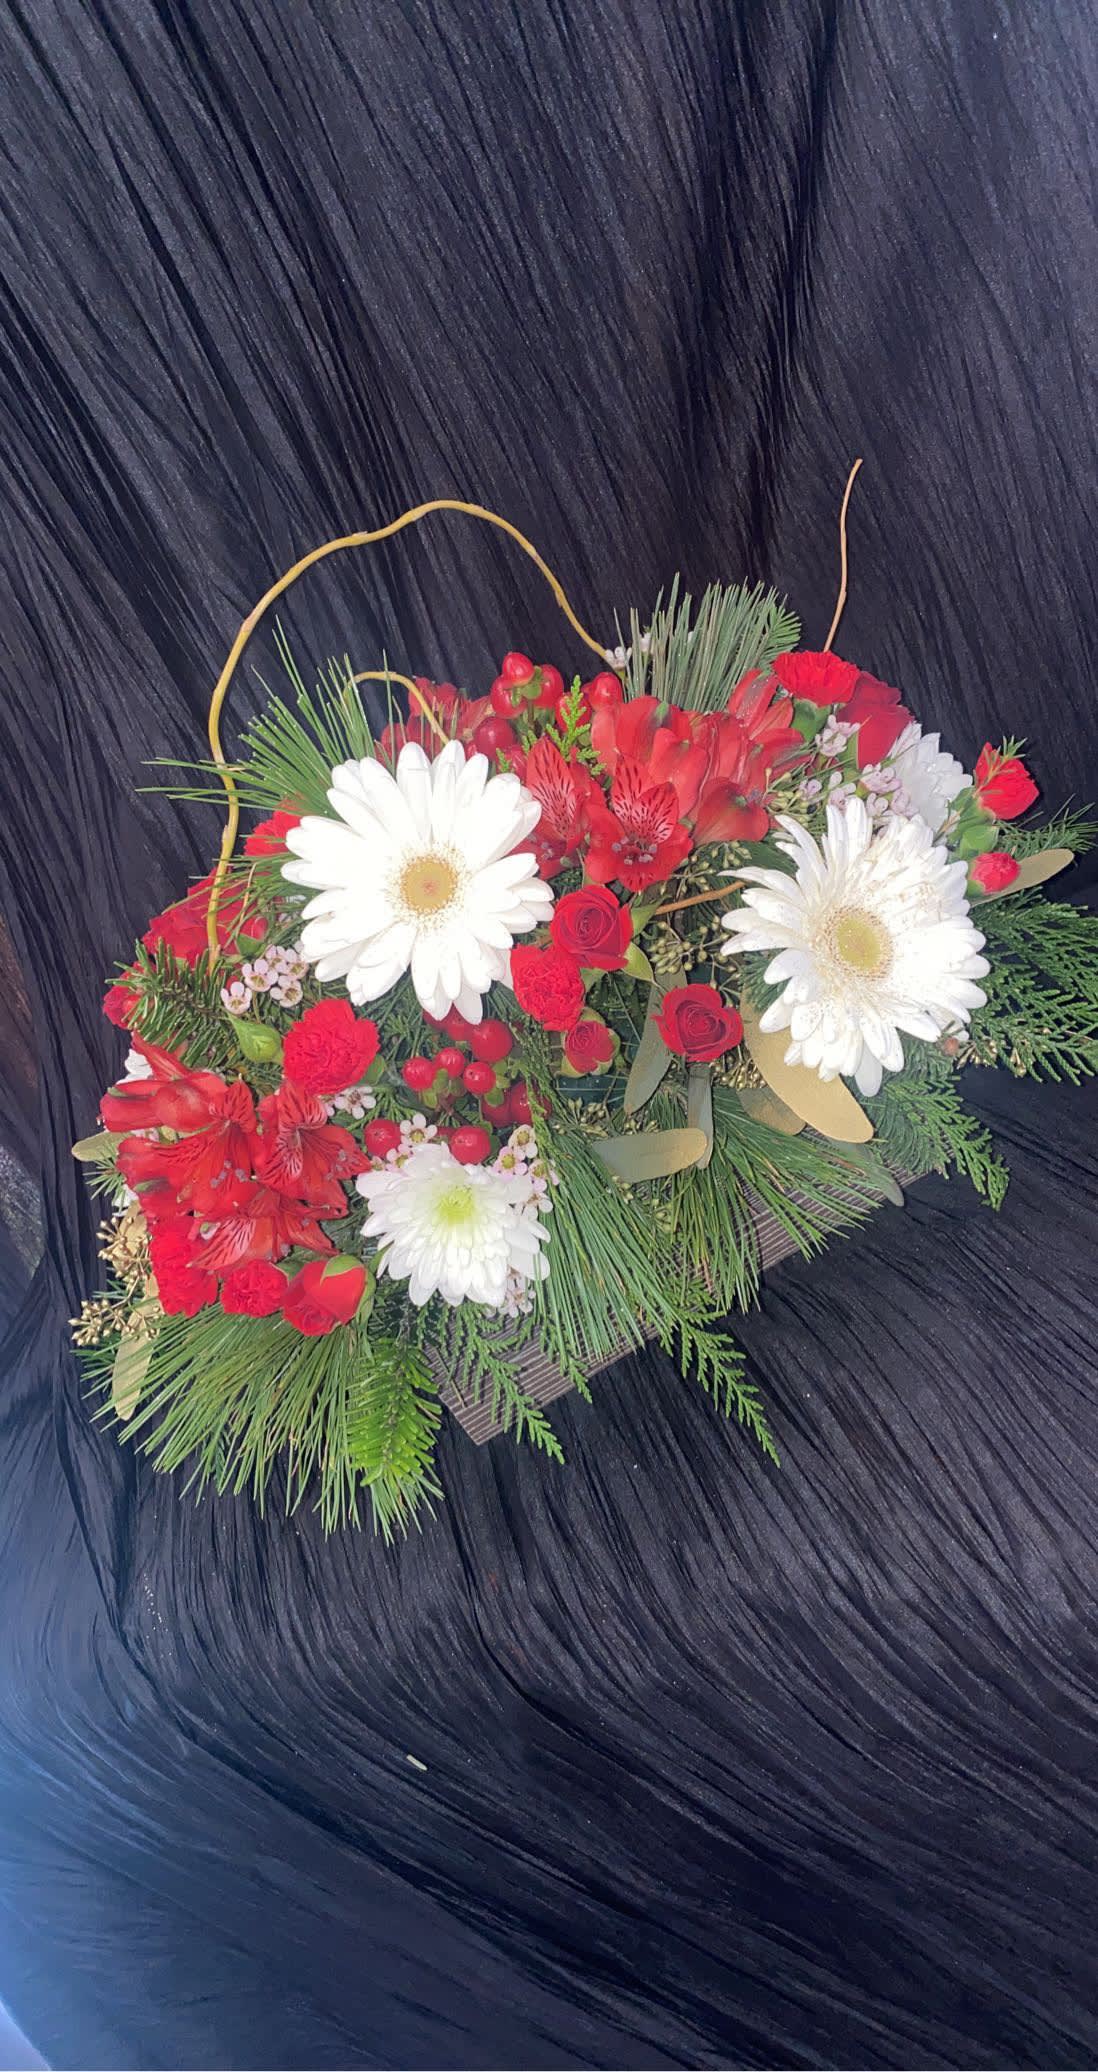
427 885
858 939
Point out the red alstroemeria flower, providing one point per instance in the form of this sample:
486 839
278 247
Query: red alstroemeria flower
210 1166
640 839
565 792
666 742
266 1225
750 743
301 1153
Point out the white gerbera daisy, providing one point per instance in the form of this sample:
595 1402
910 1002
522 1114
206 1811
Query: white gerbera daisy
930 778
873 935
418 873
464 1232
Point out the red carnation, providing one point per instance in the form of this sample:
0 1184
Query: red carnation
183 1289
1002 784
695 1023
589 1046
325 1293
182 927
547 985
820 679
993 871
118 1005
269 838
330 1048
253 1291
594 927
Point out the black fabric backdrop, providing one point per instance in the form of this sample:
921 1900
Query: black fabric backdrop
720 1765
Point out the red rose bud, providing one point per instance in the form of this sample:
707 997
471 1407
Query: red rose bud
270 836
820 679
993 872
118 1005
548 985
329 1048
1002 784
325 1293
253 1291
695 1023
588 1047
593 927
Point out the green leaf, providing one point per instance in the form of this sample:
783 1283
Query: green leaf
650 1063
867 1161
637 966
699 1107
259 1042
97 1150
651 1154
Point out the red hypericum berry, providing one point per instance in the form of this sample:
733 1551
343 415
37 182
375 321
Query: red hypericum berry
564 711
433 1020
479 1078
456 1026
518 1104
494 736
552 684
491 1041
419 1073
470 1145
506 698
516 668
381 1137
452 1060
493 1106
603 690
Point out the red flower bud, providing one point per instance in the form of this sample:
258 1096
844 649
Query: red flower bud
325 1293
993 871
1002 784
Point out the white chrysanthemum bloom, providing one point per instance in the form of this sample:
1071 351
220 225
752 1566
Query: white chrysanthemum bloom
460 1231
418 873
929 776
874 938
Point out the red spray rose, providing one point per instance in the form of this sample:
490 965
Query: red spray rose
118 1005
1002 784
547 985
589 1046
325 1293
594 927
183 1289
820 679
253 1291
182 927
330 1048
270 836
695 1023
993 871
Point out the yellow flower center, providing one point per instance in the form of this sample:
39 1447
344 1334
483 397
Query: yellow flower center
861 942
454 1207
427 884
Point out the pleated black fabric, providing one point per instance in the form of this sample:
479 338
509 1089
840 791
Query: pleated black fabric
665 1758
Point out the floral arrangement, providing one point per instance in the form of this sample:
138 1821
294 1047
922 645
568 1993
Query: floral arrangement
515 1009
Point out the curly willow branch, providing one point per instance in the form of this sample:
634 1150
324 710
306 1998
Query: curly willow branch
352 539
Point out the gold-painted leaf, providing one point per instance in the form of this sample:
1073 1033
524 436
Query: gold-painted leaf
699 1107
1036 870
868 1161
131 1364
637 966
650 1063
94 1150
828 1105
650 1154
763 1106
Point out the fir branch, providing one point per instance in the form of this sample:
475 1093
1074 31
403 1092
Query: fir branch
179 1009
1068 830
921 1119
392 1418
695 658
1041 1016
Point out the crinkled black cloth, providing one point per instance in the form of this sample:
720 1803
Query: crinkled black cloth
713 1765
